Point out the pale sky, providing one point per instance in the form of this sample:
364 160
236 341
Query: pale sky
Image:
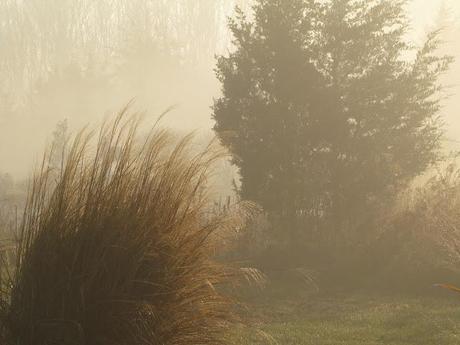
424 13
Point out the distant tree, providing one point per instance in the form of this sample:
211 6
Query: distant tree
327 108
58 146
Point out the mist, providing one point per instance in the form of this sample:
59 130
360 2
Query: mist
83 60
80 61
330 191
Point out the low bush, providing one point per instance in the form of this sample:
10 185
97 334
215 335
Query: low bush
419 244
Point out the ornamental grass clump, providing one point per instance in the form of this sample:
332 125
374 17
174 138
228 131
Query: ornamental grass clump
116 247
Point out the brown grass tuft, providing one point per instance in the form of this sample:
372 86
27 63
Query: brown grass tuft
116 248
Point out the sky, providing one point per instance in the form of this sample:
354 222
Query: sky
424 12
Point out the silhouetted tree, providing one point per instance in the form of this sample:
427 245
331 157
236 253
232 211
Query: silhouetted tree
327 108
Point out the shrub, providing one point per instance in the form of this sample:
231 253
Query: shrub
420 241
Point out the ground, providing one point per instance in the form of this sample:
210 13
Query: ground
351 320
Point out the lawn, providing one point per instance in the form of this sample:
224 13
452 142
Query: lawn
346 320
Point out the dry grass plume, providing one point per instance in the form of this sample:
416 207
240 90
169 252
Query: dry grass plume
116 248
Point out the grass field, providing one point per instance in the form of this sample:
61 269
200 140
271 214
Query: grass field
345 320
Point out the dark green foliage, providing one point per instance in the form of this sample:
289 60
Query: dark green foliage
327 110
118 249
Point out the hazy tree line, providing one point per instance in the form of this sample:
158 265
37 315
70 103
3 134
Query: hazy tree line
81 59
47 36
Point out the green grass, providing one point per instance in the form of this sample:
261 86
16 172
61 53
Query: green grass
356 321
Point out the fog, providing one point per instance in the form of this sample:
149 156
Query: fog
82 60
327 211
